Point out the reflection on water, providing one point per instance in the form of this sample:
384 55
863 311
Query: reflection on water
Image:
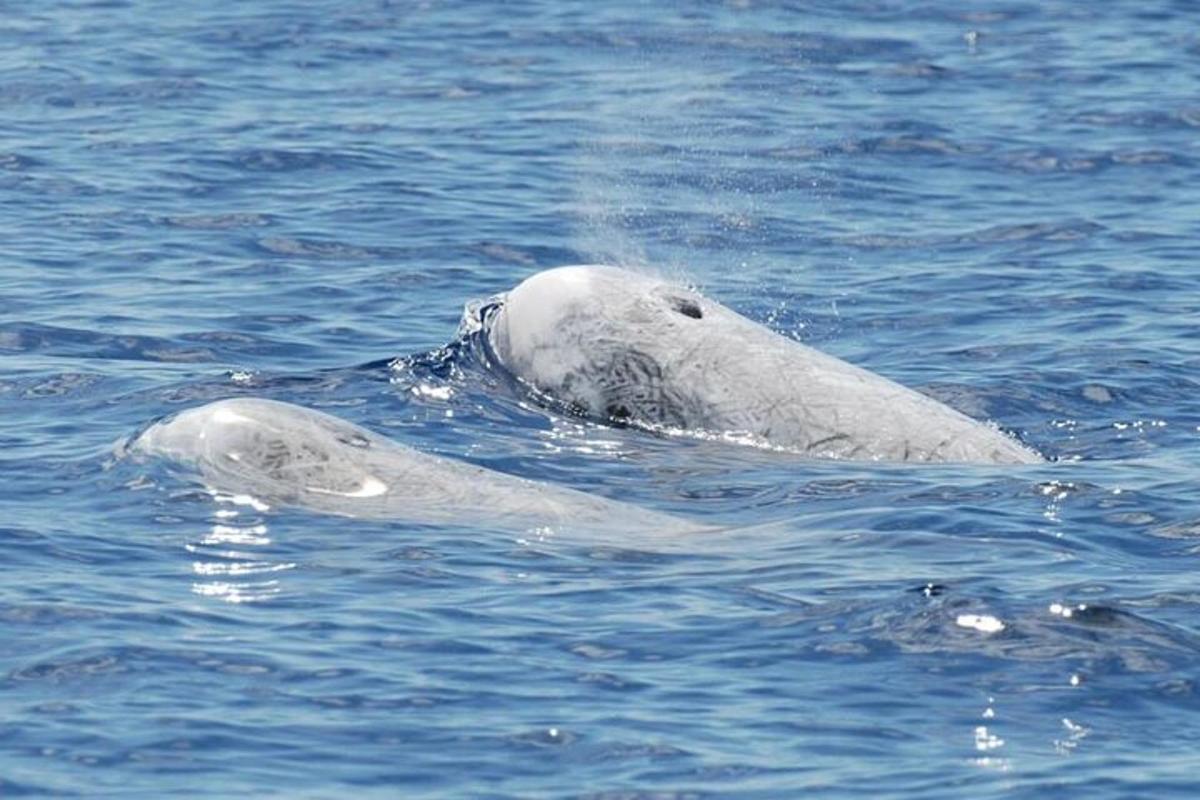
1075 733
231 570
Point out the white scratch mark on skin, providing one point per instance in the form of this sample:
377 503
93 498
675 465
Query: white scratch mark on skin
371 487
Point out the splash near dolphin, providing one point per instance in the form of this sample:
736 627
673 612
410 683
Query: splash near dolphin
619 346
289 455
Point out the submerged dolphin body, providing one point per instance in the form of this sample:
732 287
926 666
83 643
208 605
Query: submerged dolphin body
290 455
621 346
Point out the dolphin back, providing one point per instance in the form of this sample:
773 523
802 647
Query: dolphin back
286 454
625 347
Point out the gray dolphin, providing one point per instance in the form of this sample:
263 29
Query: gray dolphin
621 346
285 454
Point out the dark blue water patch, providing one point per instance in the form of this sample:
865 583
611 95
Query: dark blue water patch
1182 119
205 347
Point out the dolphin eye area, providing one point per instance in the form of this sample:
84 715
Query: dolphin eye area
689 308
617 411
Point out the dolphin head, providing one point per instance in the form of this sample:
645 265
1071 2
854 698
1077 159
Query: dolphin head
556 301
268 445
600 339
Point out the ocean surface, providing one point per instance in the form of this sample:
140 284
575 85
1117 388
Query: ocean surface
996 203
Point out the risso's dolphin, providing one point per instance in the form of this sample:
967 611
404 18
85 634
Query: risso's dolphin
285 454
620 346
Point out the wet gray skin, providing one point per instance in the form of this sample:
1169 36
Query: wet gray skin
620 346
285 454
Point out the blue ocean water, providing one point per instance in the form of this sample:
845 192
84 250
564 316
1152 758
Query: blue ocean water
992 202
